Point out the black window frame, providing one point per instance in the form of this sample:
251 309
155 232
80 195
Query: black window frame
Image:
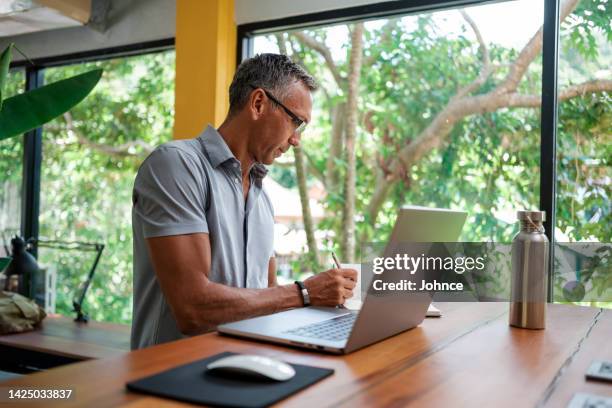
32 152
550 55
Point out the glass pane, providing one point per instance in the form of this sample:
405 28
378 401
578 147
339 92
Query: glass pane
584 151
90 158
11 158
446 117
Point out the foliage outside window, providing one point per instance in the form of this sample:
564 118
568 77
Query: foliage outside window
584 140
431 105
11 158
584 146
90 158
439 109
457 102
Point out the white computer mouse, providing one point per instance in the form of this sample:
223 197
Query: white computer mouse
257 366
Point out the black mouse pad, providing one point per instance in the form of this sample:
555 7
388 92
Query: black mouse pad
194 384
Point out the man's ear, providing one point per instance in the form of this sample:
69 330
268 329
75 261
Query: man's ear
256 104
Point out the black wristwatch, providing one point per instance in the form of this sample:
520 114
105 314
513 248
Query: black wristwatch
303 292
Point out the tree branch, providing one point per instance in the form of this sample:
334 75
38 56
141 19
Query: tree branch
486 69
491 103
529 53
460 106
313 169
322 49
129 149
300 172
484 50
433 135
280 40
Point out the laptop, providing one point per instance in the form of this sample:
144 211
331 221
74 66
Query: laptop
341 331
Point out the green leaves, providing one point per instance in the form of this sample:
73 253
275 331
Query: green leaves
5 60
590 20
34 108
4 263
87 192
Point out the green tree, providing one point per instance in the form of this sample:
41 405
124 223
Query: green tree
448 121
90 158
11 152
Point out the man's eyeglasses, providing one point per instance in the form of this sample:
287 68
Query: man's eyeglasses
300 124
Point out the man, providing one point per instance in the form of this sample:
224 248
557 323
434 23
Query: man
202 225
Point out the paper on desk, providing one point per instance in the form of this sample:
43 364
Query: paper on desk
353 304
356 302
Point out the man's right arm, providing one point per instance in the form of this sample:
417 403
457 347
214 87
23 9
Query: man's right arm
182 263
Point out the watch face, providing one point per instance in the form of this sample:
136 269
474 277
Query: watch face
306 297
304 293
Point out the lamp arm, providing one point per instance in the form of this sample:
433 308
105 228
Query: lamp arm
70 246
77 304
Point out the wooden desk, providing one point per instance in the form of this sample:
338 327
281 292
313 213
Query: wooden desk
60 340
469 357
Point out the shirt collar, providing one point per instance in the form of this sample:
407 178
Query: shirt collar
219 152
258 171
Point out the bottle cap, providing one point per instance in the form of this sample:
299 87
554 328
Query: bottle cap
535 216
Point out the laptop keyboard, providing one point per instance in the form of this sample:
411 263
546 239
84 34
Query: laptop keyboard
335 329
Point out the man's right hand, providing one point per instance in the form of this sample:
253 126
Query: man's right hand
332 287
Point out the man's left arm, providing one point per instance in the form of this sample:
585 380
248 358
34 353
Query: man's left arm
272 273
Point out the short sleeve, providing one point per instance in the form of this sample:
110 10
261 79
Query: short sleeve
170 194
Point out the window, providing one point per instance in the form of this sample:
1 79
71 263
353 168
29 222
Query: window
90 158
584 157
584 136
11 158
436 89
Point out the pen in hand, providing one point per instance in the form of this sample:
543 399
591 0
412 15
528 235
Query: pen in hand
336 260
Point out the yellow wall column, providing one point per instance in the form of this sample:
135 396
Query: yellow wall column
205 64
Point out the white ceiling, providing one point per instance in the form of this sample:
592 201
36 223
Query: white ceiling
24 16
250 11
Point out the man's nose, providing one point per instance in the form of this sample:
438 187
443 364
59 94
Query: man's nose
294 140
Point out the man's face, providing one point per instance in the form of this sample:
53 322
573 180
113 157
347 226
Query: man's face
276 129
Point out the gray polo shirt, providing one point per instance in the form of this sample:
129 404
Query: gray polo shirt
194 186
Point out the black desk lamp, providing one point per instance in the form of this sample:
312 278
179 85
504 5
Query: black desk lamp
24 265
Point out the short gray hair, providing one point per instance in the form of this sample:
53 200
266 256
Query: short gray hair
272 72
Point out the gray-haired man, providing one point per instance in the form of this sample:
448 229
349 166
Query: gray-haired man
203 226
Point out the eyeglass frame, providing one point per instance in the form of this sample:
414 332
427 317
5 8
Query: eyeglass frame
300 123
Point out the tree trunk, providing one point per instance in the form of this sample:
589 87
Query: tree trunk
335 147
348 216
300 171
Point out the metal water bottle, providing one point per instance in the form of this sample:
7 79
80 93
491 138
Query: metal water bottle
529 288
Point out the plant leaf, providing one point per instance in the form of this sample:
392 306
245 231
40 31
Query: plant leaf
4 263
5 62
34 108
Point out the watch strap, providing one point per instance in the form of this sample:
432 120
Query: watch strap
303 292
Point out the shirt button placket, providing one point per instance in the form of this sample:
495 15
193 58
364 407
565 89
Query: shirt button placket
237 167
